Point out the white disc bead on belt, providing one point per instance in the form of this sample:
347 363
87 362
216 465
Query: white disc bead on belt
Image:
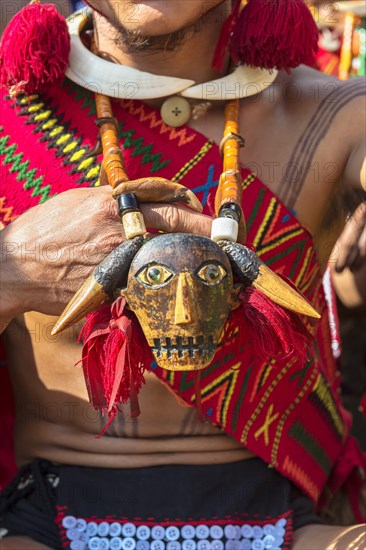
90 535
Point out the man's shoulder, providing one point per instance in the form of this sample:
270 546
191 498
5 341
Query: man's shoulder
308 85
305 97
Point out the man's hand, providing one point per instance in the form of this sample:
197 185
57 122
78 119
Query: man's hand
49 251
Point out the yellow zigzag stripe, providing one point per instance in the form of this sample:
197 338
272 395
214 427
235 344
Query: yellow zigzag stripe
93 172
43 116
66 139
27 99
35 107
49 124
57 131
77 155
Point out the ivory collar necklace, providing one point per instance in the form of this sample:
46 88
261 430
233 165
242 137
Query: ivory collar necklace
122 82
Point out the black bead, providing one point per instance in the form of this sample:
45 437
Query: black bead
127 201
230 210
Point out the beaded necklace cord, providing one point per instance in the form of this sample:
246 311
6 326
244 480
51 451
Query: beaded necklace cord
227 227
228 197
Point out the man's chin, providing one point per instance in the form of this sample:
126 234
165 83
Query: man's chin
153 17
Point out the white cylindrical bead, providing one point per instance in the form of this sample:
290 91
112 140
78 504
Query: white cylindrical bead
224 229
133 224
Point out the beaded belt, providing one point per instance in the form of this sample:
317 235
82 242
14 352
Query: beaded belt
83 535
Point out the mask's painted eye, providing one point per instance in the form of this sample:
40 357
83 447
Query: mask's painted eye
155 275
211 274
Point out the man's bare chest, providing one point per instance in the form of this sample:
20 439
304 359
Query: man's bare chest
298 162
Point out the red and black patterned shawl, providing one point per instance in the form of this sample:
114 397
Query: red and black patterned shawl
287 414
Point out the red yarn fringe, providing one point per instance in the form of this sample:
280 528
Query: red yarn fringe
275 332
114 358
34 49
270 34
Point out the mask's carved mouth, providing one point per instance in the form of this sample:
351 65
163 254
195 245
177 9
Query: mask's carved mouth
184 347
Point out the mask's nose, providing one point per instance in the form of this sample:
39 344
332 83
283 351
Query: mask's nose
185 309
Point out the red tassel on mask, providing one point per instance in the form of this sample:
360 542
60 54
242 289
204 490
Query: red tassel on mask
275 332
114 358
270 34
34 49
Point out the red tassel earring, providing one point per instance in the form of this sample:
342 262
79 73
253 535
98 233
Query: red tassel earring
271 34
34 49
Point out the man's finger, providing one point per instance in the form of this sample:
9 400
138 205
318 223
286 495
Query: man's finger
175 219
159 190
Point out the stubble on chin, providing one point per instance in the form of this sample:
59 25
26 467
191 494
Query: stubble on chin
135 41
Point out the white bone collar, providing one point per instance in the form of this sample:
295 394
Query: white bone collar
119 81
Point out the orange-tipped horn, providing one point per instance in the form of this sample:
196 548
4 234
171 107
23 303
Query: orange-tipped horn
282 293
251 270
88 298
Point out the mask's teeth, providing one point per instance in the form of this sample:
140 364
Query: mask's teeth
182 347
190 347
157 347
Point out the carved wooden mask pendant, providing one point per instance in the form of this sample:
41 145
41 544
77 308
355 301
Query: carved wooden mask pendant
180 287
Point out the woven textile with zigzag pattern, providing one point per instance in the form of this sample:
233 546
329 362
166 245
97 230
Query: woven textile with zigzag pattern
289 416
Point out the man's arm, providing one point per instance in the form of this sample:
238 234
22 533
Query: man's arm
355 172
355 136
50 250
11 300
351 245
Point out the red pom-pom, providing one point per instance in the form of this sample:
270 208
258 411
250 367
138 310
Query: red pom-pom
34 49
114 358
275 332
272 34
